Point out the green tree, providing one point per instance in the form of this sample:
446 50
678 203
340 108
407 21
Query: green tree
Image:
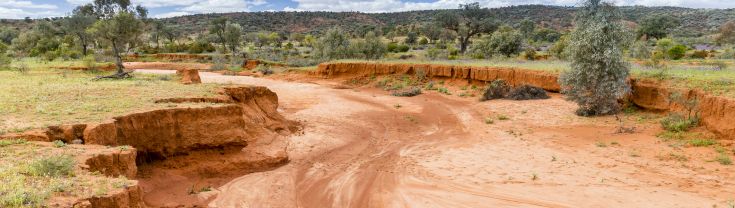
640 50
217 27
333 45
470 20
233 36
727 33
5 61
677 52
527 27
560 49
506 41
120 25
598 74
373 48
77 25
411 38
7 34
657 26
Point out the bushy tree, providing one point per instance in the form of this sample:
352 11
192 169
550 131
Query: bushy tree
560 49
233 36
411 38
657 26
640 50
526 28
218 27
333 45
598 74
469 21
119 27
77 25
7 35
677 52
506 41
370 48
727 33
4 59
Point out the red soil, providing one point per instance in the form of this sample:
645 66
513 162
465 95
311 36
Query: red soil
717 113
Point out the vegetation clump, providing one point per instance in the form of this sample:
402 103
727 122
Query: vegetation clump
410 92
496 90
598 74
527 92
53 166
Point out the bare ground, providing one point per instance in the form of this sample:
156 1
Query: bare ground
364 148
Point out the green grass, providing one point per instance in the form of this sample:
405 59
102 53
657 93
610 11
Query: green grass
702 142
724 159
44 96
32 173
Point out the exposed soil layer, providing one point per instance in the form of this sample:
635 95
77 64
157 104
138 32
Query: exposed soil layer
180 148
717 113
365 148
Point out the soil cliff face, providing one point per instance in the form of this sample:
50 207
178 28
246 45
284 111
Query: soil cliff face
513 76
717 113
243 135
170 131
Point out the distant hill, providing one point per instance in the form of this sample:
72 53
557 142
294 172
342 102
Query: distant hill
695 22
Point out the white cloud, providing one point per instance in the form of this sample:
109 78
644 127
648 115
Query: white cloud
26 5
15 13
220 6
171 14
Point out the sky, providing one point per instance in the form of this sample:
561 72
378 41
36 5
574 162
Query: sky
18 9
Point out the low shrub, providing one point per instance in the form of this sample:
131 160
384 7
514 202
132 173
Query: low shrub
527 92
678 123
496 90
700 54
52 166
410 92
264 69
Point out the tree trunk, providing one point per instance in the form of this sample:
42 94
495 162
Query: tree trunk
463 42
118 59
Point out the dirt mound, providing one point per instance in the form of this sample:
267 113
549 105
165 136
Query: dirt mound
527 92
189 76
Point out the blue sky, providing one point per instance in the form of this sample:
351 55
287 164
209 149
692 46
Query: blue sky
17 9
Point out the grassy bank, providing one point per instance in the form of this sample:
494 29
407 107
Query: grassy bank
32 173
43 96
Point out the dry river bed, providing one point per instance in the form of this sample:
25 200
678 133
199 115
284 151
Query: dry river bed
364 148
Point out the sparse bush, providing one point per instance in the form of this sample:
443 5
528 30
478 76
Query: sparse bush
333 45
678 123
640 50
724 159
496 90
90 62
59 144
527 92
530 53
598 74
53 166
677 52
560 48
700 54
264 69
22 68
727 53
410 92
433 53
506 41
219 62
